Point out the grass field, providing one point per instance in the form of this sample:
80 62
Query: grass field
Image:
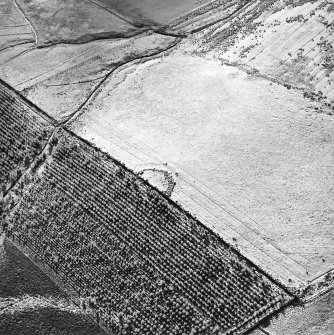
253 158
72 21
14 29
57 21
152 12
68 74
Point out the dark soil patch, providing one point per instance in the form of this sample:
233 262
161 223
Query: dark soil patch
47 321
20 276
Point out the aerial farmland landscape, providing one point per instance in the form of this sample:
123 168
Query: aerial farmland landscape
166 167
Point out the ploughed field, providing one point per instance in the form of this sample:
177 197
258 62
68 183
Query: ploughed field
140 264
22 137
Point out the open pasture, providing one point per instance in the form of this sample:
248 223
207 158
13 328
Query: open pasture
68 74
171 16
254 159
152 12
14 28
72 21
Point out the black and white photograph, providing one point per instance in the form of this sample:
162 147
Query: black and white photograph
166 167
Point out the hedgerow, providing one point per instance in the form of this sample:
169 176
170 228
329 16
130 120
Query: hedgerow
22 137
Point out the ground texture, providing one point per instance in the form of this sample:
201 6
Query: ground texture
30 303
265 149
159 253
226 107
23 135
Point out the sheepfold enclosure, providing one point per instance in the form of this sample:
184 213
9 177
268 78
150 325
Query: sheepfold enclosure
23 134
140 264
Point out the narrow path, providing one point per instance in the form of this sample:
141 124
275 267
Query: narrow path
76 113
75 83
13 46
113 12
239 9
27 171
32 27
